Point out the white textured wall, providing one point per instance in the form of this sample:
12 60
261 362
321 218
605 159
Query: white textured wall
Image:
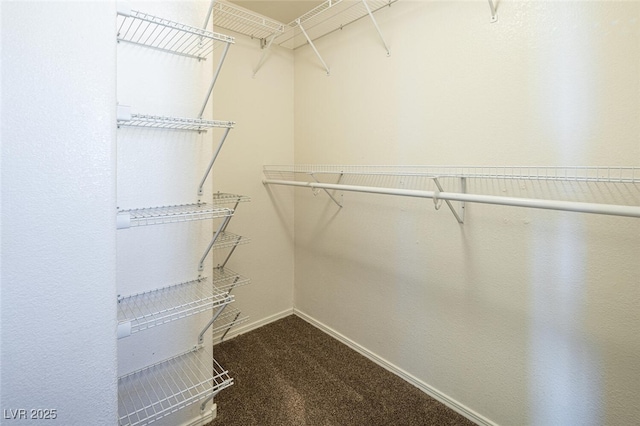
58 202
521 316
262 108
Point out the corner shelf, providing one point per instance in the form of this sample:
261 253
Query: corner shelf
153 392
326 18
145 310
172 123
168 36
170 214
234 18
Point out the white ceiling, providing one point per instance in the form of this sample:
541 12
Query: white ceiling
284 11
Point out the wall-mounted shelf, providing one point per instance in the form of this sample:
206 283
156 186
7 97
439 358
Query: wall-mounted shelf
231 317
229 239
151 393
227 198
409 181
152 308
170 123
234 18
170 214
326 18
226 279
168 36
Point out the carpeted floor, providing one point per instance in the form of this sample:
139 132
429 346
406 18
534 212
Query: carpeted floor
289 373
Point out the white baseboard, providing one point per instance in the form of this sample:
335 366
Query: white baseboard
429 390
245 328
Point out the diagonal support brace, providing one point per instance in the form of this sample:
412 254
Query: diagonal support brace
459 217
213 80
264 55
375 24
327 191
494 11
213 160
313 46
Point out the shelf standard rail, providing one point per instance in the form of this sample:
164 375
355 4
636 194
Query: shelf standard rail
571 206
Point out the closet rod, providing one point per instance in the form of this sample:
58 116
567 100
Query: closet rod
571 206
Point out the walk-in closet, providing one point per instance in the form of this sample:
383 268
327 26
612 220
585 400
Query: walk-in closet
320 212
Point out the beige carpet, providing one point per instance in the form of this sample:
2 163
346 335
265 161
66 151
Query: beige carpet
289 373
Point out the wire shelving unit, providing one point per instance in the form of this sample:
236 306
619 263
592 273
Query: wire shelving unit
168 36
149 394
237 19
170 214
226 279
172 123
228 239
227 198
326 18
230 318
153 308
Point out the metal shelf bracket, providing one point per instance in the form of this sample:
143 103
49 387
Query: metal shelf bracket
265 50
213 80
375 24
494 10
437 201
313 46
213 160
220 229
339 203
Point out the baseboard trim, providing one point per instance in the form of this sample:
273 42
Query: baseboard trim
429 390
245 328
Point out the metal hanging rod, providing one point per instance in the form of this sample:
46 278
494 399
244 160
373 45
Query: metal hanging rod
606 209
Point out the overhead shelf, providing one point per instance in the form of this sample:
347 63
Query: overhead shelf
240 20
409 181
170 214
153 308
168 36
326 18
617 174
151 393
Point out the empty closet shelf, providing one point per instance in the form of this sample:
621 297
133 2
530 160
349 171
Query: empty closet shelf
172 123
230 317
226 198
168 36
243 21
170 214
149 309
228 239
149 394
226 279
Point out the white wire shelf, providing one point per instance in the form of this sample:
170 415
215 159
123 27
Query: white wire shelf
240 20
227 198
145 310
227 239
226 279
151 393
329 16
170 214
231 317
172 123
168 36
611 174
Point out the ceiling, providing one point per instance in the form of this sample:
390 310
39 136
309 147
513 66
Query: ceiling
284 11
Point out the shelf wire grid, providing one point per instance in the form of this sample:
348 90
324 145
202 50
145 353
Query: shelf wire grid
609 174
227 198
153 392
153 308
227 239
174 214
231 317
326 18
168 36
240 20
173 123
226 279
